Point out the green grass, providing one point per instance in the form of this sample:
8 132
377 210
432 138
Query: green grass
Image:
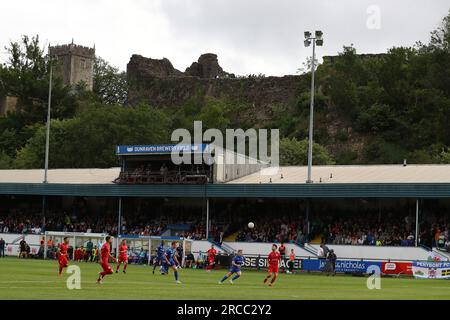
37 279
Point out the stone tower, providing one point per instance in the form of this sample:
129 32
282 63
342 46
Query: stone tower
75 64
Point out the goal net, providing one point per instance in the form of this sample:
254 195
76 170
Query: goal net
82 246
143 249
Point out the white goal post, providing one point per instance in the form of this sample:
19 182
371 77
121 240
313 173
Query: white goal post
149 244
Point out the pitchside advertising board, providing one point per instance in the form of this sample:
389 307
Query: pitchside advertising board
359 266
257 262
397 268
431 270
349 266
346 266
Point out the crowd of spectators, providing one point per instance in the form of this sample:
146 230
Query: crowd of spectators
391 230
16 221
386 230
368 230
283 229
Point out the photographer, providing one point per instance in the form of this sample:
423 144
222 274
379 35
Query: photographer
331 262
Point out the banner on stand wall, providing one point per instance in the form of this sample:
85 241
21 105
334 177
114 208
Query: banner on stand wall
431 270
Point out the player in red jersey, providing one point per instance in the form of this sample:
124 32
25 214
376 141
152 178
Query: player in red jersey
105 254
273 260
123 258
211 258
63 260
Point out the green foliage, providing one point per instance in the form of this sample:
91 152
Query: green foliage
444 156
294 152
90 139
437 153
213 112
380 151
377 118
110 85
5 161
399 100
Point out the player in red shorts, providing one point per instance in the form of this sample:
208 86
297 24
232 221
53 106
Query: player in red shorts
273 260
63 260
105 254
211 258
123 258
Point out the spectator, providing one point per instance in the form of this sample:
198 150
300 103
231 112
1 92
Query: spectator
189 261
291 261
23 249
89 248
2 248
200 260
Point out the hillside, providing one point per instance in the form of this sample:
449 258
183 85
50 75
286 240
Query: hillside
381 108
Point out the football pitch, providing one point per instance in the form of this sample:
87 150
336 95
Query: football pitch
38 279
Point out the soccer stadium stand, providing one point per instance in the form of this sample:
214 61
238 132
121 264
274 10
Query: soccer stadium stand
154 165
366 205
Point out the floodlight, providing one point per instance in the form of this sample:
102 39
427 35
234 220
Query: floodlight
307 43
307 34
319 42
319 34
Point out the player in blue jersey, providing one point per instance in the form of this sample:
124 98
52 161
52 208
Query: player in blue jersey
171 261
236 265
159 257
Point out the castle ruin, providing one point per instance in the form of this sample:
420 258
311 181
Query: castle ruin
157 83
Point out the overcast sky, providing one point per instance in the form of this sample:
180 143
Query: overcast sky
249 36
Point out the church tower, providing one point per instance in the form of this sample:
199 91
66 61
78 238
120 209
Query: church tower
75 64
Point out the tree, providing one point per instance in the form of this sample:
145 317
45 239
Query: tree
294 152
89 140
438 51
342 82
214 114
110 85
440 38
6 162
